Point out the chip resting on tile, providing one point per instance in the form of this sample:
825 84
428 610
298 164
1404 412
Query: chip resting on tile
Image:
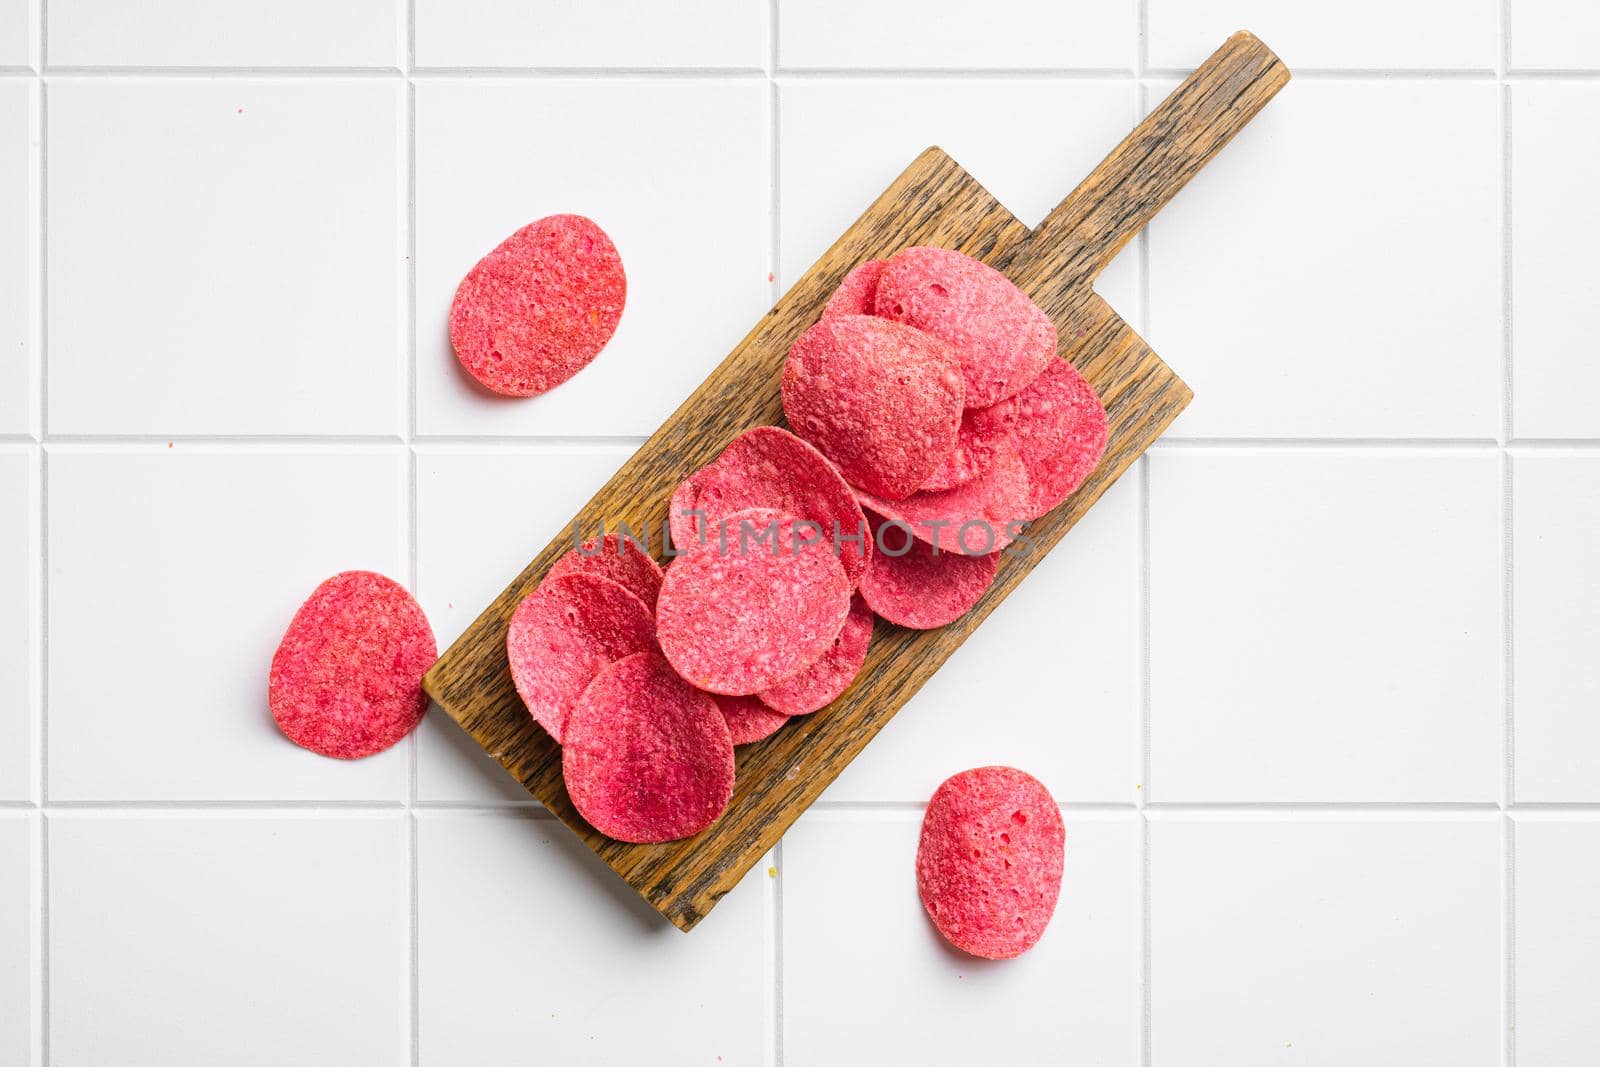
647 756
539 307
346 680
990 859
564 634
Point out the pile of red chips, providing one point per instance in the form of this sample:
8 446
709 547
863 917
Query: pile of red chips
932 421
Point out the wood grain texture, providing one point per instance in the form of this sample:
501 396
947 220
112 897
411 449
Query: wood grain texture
934 202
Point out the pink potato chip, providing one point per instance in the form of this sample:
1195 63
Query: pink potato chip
856 294
616 557
977 517
989 861
1057 425
749 720
821 683
921 589
768 467
566 633
648 757
1003 339
738 619
881 400
346 680
539 307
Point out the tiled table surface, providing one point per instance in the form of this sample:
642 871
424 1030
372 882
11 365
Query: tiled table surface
1317 683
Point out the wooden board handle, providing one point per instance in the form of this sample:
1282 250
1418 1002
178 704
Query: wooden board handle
1145 171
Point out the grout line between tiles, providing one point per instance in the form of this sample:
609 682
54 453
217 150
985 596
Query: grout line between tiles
528 809
43 968
987 73
1508 839
1507 549
99 71
42 364
241 807
1569 444
1141 794
441 73
320 440
414 742
1142 786
1174 808
1354 74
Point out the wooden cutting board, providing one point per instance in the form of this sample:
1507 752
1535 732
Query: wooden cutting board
934 202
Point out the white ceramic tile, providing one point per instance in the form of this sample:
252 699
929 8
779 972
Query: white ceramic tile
1553 278
19 954
1325 626
482 514
623 33
1053 692
867 978
19 616
1327 941
18 252
845 140
529 942
173 574
1299 301
197 33
1556 544
225 256
949 33
16 33
1558 939
1554 35
228 938
1359 34
674 170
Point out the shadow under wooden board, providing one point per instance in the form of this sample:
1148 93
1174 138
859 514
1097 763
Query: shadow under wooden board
934 202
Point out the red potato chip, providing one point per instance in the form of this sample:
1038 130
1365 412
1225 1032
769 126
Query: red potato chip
768 467
1057 425
821 683
749 720
977 517
618 558
741 620
989 861
881 400
1004 340
566 633
346 680
539 307
920 589
856 294
648 757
